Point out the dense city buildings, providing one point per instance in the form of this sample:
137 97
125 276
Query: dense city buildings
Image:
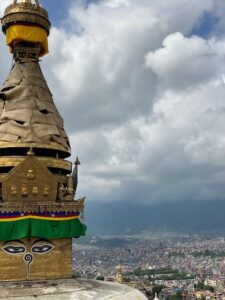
176 266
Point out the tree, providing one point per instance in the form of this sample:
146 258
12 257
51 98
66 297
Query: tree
177 296
157 289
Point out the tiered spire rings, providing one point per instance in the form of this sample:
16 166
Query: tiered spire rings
25 12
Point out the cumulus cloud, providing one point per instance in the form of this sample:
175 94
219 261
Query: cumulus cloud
142 98
184 62
102 56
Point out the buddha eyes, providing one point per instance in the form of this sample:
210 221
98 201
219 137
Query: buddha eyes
41 249
14 249
38 247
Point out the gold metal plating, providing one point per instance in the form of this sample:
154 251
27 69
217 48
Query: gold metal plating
65 193
30 186
30 179
27 111
42 206
49 162
27 53
25 12
33 145
21 6
55 264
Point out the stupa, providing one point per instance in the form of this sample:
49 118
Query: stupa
39 215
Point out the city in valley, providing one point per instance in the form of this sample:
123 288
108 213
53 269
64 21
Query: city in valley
162 265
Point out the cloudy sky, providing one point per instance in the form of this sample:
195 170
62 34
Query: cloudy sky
141 86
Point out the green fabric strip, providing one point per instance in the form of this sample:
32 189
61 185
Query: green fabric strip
41 228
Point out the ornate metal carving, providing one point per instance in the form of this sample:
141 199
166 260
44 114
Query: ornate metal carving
26 53
64 193
24 190
46 191
31 177
25 13
43 206
35 190
13 190
30 174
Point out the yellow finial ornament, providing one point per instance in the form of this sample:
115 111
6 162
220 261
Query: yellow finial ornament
26 21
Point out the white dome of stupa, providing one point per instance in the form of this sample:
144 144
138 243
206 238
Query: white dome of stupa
76 289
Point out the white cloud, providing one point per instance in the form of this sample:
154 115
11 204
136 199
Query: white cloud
117 3
142 99
185 62
103 61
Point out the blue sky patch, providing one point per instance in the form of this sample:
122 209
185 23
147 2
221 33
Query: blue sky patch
58 9
205 26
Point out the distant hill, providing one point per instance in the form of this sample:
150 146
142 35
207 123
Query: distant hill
189 216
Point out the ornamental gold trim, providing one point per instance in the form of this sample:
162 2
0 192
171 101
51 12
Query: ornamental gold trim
40 206
26 7
47 161
25 13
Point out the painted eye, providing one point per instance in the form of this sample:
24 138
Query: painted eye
42 249
14 249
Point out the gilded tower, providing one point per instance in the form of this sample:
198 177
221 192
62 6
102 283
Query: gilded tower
38 213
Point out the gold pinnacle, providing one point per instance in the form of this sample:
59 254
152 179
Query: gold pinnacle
77 162
25 12
26 1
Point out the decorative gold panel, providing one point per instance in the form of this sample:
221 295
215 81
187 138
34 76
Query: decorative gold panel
35 258
29 181
26 206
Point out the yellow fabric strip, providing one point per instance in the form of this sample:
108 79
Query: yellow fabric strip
39 218
27 33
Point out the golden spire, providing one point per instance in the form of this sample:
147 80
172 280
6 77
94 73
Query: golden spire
26 25
26 20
